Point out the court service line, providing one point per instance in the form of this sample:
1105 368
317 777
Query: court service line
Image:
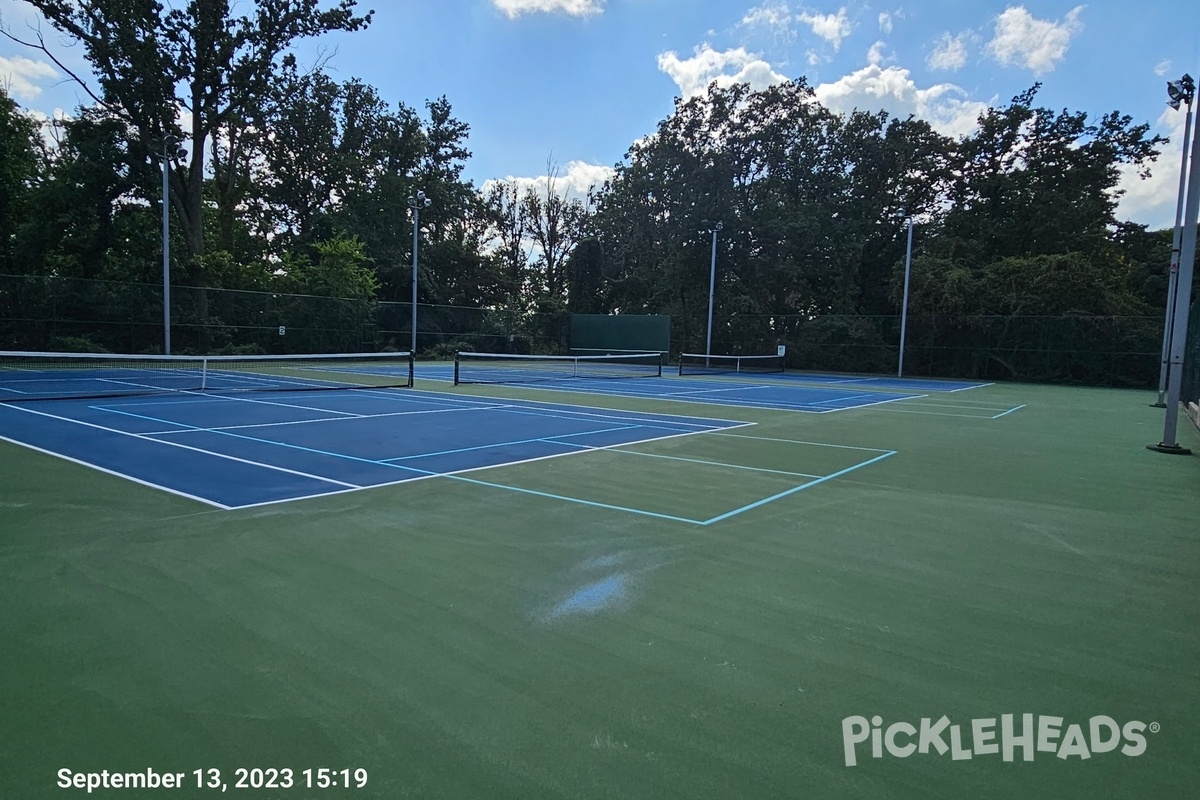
546 439
845 398
1011 410
975 407
271 442
570 408
182 447
899 399
189 429
615 448
216 398
456 475
734 388
377 462
649 422
578 500
942 414
116 474
795 489
800 441
804 408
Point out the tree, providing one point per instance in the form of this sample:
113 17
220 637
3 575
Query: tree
1032 181
585 278
21 160
555 224
155 66
323 145
502 202
91 188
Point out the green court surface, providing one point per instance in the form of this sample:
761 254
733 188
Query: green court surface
590 626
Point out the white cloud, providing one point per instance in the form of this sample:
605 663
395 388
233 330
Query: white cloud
575 8
950 52
777 20
874 88
49 125
574 182
885 22
1151 201
833 28
20 75
692 75
877 54
778 16
1036 44
1163 67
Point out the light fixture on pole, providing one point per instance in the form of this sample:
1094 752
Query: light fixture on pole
712 283
1180 92
1183 286
169 152
904 305
416 204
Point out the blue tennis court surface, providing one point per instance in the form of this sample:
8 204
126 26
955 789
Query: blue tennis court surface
715 390
249 450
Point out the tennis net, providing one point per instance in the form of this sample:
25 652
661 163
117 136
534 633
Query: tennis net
47 376
506 368
700 364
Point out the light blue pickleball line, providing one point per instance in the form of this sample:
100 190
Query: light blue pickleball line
793 490
533 492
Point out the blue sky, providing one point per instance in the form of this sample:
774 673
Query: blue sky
576 82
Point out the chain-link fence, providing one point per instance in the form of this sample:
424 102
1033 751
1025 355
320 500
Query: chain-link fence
1190 392
1106 351
69 314
46 313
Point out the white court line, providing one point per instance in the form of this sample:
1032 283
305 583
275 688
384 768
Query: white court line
613 448
229 398
880 403
535 439
815 379
571 413
1006 413
106 471
800 441
645 421
941 414
145 438
733 388
522 403
847 397
456 473
192 428
977 407
685 397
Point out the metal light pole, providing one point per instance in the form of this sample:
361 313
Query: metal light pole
1180 92
1187 260
904 306
168 154
416 204
712 285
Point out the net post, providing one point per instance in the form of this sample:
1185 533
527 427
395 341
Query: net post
456 369
411 370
